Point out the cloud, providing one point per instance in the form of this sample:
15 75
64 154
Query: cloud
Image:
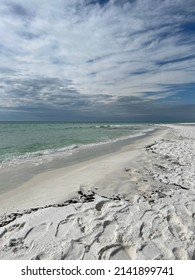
56 52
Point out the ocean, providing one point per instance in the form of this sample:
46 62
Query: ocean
28 148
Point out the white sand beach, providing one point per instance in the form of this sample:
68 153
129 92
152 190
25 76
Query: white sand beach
137 203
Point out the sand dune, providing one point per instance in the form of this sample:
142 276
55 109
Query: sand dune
146 210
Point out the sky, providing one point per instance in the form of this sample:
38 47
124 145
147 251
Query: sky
90 60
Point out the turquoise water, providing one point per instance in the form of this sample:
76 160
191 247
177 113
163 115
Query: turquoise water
30 148
36 143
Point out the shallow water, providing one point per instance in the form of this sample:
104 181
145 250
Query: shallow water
29 148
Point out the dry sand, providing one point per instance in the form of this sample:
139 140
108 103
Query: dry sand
138 203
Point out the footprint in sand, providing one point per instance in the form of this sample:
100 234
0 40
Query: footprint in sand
179 253
35 233
15 244
100 204
76 251
113 252
7 233
63 226
176 227
109 233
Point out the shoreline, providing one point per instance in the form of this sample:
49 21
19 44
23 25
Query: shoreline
23 172
39 190
137 203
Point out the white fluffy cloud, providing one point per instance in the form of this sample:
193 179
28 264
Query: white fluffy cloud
108 48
